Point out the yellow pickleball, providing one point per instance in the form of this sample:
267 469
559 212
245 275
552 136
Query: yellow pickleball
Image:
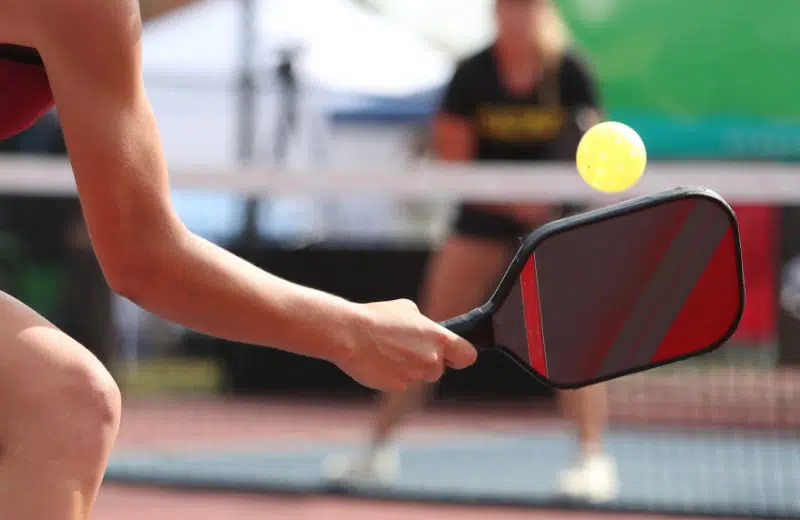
611 157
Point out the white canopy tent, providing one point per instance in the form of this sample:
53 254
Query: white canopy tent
348 55
458 26
193 58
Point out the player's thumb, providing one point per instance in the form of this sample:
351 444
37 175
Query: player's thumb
458 352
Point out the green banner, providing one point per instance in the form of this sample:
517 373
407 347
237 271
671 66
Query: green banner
698 78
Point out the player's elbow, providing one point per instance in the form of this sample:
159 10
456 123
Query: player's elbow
127 275
128 271
135 262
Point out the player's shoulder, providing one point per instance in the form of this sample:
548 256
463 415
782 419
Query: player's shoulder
477 64
575 65
475 67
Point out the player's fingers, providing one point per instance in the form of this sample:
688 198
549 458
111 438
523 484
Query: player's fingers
408 305
434 372
458 352
394 385
394 378
422 361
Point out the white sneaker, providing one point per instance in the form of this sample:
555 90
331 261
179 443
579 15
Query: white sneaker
375 466
593 479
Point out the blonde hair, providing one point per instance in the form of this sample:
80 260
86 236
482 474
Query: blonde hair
552 35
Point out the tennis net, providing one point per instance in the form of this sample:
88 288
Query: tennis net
715 436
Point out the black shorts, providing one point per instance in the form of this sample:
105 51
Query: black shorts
477 222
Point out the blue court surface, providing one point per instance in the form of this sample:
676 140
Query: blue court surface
712 473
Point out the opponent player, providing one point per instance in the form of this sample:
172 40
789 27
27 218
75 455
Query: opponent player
522 99
59 408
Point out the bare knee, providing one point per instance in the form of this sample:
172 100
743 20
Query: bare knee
70 414
93 398
95 391
58 427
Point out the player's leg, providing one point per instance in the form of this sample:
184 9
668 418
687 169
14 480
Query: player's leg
377 460
458 278
59 416
593 477
587 409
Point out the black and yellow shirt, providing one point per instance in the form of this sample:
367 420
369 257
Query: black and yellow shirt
513 127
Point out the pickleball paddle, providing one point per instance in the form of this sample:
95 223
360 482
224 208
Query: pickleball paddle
618 290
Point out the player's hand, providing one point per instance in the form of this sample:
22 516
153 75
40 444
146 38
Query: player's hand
396 346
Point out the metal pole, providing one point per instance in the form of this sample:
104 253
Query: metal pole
287 85
247 105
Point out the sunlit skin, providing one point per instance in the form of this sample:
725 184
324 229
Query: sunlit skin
59 407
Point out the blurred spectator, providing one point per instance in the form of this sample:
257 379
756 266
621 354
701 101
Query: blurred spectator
525 98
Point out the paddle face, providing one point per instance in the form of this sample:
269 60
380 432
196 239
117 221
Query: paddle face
619 290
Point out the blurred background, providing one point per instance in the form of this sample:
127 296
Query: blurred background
287 90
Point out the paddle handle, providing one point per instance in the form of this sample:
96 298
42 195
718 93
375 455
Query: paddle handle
474 326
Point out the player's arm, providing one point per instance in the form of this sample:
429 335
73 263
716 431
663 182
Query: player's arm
581 91
146 253
453 126
453 136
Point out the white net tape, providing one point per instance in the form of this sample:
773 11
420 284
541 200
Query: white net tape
556 182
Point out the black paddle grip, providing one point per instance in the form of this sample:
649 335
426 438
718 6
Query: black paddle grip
474 326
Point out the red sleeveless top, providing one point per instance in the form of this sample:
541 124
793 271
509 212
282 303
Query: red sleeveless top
24 89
